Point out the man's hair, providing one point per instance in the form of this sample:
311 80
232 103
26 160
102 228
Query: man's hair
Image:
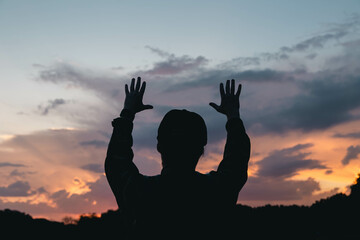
182 134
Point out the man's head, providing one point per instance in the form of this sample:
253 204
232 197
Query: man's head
182 136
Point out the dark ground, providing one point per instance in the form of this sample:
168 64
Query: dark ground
336 217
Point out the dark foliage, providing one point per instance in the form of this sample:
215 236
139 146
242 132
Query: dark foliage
331 218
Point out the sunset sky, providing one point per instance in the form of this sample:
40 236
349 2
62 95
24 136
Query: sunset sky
64 65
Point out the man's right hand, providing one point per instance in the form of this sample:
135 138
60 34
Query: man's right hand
134 97
230 104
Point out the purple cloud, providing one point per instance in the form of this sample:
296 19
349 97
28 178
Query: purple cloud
52 104
286 163
272 181
352 153
16 189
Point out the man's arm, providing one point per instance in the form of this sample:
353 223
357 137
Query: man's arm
233 167
119 167
118 163
236 155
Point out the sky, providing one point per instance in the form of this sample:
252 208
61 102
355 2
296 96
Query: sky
64 65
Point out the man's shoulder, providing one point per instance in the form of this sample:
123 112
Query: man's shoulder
151 179
206 177
195 176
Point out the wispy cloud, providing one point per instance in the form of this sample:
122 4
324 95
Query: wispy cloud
51 105
97 168
106 84
333 33
352 153
348 135
272 181
16 189
323 101
287 162
9 164
94 143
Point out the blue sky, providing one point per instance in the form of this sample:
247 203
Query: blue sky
108 34
64 65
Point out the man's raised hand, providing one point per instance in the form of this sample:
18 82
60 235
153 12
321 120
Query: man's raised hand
230 104
134 97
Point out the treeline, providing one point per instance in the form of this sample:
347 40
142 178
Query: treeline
335 217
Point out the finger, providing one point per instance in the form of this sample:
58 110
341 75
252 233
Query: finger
215 106
147 107
137 87
222 92
142 89
232 87
132 85
238 90
126 89
227 87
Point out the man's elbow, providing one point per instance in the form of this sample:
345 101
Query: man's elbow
241 180
244 178
109 166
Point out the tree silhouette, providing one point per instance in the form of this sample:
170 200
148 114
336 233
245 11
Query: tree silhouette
355 188
330 218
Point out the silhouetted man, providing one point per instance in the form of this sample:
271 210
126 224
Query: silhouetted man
180 202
